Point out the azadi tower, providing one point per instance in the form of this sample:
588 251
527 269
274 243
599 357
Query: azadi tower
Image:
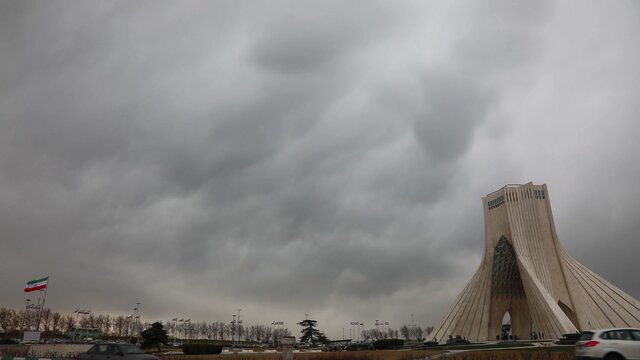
526 272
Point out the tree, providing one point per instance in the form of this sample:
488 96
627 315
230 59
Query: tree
119 324
154 335
45 319
68 322
428 330
311 334
5 318
406 332
56 321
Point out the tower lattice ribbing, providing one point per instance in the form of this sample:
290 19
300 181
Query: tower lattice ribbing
526 272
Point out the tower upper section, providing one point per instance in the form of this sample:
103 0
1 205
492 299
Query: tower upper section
515 208
522 214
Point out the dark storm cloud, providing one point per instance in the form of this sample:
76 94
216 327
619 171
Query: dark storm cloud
287 159
296 51
453 108
308 37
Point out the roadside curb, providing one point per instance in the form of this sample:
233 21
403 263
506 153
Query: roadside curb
31 358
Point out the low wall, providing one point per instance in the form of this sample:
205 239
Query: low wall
13 350
43 350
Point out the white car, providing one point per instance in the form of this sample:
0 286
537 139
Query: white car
609 344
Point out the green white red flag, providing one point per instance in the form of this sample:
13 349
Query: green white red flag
37 284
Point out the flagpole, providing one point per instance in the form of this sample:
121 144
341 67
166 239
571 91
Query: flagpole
44 297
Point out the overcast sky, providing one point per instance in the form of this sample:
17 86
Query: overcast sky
320 157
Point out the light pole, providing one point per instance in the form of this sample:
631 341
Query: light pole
273 333
187 329
135 323
83 313
36 309
180 332
26 312
138 319
413 327
239 327
233 330
277 333
173 332
352 330
75 325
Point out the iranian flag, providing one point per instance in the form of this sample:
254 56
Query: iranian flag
37 284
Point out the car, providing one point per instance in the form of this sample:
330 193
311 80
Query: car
458 340
57 341
112 351
569 339
430 343
609 344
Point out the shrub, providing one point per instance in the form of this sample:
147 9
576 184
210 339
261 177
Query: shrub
358 347
388 344
8 341
200 349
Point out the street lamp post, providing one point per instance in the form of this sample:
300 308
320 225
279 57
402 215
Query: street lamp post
180 332
187 329
277 333
75 327
135 323
139 324
239 327
282 328
174 322
87 312
413 327
273 333
355 334
233 330
79 324
26 312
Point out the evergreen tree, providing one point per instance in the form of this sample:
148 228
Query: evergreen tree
310 334
155 335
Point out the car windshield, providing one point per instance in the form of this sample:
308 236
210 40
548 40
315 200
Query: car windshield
131 349
587 335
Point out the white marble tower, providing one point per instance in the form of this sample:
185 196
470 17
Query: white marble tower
526 272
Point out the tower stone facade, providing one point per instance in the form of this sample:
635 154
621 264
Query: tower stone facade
526 272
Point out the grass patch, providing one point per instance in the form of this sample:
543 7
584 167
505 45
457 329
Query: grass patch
514 355
553 348
485 346
341 355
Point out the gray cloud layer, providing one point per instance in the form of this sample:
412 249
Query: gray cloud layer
304 157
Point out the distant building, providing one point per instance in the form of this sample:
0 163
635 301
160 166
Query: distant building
83 334
526 272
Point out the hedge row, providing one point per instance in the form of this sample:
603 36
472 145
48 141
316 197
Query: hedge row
388 344
200 349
